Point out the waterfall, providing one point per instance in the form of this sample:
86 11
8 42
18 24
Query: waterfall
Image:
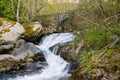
57 68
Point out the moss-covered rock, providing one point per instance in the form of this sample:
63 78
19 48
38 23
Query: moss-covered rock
8 62
105 68
33 31
10 31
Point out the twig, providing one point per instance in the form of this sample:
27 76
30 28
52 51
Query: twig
107 47
111 17
101 8
80 45
90 21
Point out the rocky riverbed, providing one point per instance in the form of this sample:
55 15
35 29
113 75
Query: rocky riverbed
19 54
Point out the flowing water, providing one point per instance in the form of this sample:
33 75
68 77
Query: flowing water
57 68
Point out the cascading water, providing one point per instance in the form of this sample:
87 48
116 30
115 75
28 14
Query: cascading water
57 68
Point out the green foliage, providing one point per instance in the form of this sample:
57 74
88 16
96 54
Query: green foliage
6 10
115 30
88 69
99 38
98 24
109 52
85 57
28 30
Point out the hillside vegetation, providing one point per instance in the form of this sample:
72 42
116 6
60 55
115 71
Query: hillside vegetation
96 24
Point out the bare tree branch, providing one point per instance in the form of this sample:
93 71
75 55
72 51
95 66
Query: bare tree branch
18 10
101 8
107 47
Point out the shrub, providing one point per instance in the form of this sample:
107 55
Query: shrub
98 23
6 9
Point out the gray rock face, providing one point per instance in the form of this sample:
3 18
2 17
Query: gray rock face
8 62
10 32
29 56
25 51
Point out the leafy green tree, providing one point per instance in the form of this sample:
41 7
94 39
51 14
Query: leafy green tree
20 10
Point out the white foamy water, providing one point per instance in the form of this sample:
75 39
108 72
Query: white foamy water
57 68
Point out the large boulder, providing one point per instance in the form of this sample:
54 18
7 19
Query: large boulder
8 62
29 56
26 50
33 31
10 32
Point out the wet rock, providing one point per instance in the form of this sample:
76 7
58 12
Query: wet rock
30 66
69 55
8 62
29 55
26 50
39 57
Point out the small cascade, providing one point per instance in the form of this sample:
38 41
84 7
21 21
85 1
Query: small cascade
57 68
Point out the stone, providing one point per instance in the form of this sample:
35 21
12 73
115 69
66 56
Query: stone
25 51
29 56
6 48
33 31
8 62
19 43
10 31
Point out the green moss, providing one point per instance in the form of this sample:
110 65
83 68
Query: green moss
109 52
88 69
4 31
28 30
1 20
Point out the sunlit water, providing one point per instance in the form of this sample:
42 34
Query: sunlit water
57 68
